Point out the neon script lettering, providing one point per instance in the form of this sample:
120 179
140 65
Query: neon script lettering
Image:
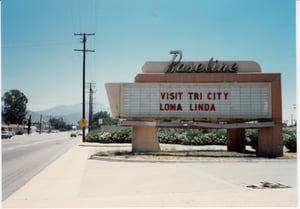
212 66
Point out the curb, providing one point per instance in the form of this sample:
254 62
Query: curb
211 160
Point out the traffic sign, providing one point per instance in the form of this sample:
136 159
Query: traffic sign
82 122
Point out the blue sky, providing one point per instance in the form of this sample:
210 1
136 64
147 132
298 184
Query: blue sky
38 56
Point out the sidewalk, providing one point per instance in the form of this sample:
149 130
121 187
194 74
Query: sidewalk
75 181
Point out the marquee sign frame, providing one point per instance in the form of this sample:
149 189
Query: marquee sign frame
190 101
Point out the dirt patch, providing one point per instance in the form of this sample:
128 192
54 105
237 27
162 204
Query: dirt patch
289 155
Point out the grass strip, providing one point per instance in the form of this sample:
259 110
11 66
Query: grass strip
181 153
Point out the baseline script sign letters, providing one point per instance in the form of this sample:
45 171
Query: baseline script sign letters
199 67
210 66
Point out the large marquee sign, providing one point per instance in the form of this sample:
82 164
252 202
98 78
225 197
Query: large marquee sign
201 94
209 101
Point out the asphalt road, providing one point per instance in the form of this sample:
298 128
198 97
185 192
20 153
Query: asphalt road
76 180
25 156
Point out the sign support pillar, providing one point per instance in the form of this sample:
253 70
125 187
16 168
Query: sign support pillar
144 139
236 140
270 142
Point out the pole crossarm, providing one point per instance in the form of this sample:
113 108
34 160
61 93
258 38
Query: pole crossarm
82 34
81 50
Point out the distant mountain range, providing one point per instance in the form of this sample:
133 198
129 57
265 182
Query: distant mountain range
70 113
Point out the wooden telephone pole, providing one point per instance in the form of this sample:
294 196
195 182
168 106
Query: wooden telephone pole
84 50
91 91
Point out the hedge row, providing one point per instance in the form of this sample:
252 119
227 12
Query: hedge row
192 137
188 137
113 136
167 136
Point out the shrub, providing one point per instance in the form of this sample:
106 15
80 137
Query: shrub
193 137
208 139
121 136
290 142
252 138
170 136
191 134
92 136
288 131
113 136
221 137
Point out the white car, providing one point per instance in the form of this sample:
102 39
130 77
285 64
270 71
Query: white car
6 134
73 134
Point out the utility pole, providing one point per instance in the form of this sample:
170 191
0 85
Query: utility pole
84 50
40 124
292 120
49 124
91 91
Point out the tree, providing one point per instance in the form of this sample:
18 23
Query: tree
104 115
58 123
14 109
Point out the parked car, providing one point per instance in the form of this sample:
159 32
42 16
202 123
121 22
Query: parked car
6 134
73 134
19 131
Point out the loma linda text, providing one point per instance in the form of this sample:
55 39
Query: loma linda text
192 107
